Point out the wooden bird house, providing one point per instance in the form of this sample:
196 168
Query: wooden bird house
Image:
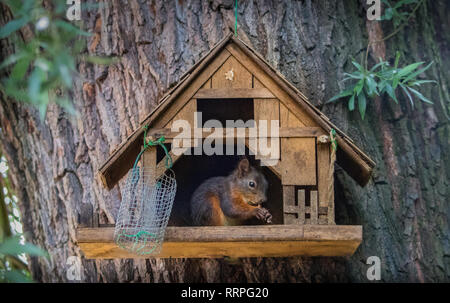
233 82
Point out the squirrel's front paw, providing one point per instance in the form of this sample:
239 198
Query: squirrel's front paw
264 215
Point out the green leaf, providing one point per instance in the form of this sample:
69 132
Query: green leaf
408 94
358 66
351 103
382 86
390 91
19 70
12 247
395 81
12 59
419 82
415 74
16 276
372 86
355 75
408 69
362 104
69 27
377 65
421 97
358 87
13 26
34 84
343 94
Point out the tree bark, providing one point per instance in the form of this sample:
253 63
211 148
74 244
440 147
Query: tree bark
404 208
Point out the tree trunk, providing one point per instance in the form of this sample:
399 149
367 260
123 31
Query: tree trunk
404 208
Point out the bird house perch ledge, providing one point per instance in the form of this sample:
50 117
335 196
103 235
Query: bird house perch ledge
233 241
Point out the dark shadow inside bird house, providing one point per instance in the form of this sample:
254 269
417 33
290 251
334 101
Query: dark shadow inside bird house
191 170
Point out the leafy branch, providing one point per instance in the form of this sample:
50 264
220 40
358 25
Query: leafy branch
13 267
42 68
383 79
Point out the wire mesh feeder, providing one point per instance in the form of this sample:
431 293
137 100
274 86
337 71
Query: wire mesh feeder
145 208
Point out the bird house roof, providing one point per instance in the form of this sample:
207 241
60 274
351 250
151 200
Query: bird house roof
351 158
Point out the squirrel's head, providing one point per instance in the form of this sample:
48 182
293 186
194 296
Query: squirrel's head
250 183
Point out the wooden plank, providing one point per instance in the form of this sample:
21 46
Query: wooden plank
236 93
298 161
289 204
235 233
267 110
324 184
314 206
229 249
149 163
233 241
284 132
122 159
301 201
231 74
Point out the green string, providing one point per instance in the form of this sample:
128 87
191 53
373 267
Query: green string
235 18
136 239
149 143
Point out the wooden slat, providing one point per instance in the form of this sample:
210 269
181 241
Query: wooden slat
298 161
236 93
314 206
284 132
289 204
229 249
301 200
149 162
233 241
267 110
324 185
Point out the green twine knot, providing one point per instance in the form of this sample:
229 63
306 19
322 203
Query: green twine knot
147 143
160 141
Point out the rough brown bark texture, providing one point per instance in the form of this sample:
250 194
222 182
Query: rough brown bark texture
404 208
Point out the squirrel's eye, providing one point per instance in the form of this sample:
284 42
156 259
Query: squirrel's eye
251 184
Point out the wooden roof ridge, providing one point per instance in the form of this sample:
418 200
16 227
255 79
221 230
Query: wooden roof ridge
349 156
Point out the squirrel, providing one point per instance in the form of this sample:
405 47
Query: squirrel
231 200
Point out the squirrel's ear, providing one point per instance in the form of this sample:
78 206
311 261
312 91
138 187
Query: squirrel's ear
243 167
